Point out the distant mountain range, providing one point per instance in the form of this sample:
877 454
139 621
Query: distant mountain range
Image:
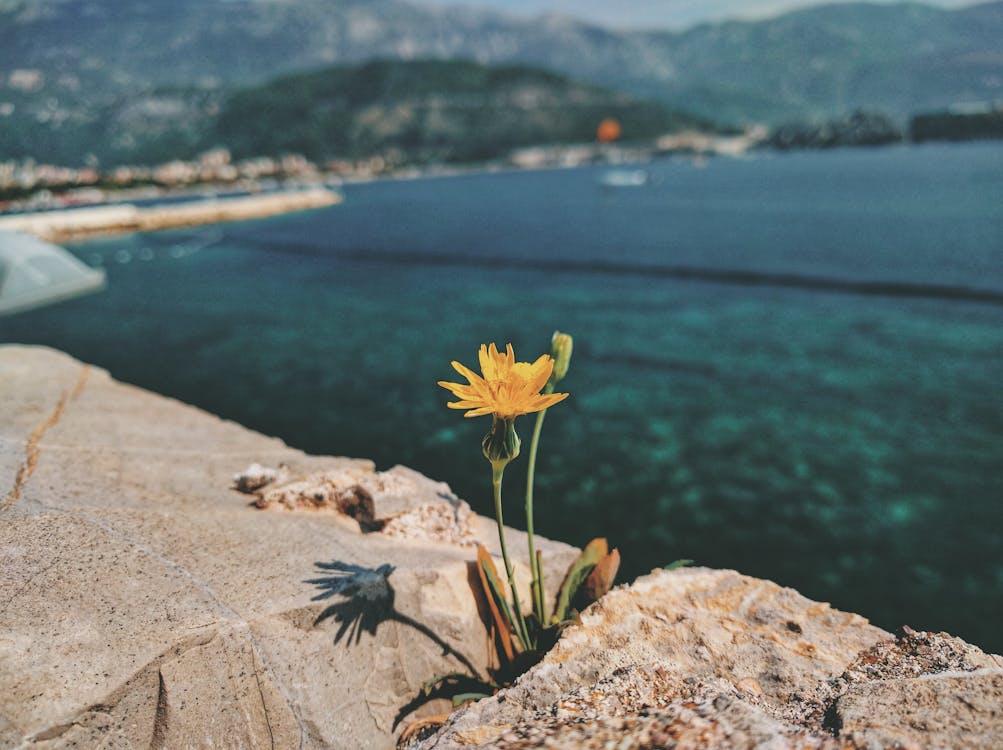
67 66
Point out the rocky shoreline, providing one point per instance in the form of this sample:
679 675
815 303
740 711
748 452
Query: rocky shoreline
148 601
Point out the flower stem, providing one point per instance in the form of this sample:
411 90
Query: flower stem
534 559
497 470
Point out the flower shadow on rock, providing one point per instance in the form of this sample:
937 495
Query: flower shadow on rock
369 602
369 597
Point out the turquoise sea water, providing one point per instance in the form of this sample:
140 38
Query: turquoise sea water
790 365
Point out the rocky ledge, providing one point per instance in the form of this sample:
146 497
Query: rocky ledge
160 590
699 658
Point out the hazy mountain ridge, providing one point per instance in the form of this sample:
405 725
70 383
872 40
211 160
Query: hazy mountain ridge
828 60
93 55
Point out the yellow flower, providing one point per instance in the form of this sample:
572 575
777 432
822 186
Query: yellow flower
507 388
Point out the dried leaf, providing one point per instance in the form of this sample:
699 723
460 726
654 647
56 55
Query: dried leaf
419 727
594 551
492 592
601 578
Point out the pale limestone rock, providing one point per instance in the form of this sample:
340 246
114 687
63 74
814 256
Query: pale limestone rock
400 502
144 603
256 476
921 690
700 658
436 521
712 635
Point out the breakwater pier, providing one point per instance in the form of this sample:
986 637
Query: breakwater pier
78 223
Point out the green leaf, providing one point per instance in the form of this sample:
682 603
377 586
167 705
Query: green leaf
594 551
437 683
462 698
677 564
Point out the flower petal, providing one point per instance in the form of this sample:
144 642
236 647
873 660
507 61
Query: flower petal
455 388
487 364
481 412
466 372
543 367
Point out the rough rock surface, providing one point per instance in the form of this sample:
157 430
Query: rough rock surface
921 690
146 603
698 658
400 503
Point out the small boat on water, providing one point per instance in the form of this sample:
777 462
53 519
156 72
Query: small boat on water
619 178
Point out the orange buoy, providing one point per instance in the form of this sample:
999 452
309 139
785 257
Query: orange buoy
608 131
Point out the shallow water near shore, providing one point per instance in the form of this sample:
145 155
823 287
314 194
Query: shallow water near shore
789 365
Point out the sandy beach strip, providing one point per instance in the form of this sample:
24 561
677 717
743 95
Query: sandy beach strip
77 223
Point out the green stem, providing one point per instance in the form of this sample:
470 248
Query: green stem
538 602
497 470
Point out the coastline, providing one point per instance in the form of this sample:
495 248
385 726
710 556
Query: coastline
154 209
79 223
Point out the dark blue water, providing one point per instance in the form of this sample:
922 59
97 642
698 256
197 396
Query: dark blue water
789 365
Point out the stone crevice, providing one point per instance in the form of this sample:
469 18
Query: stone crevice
259 652
108 705
161 717
264 706
31 448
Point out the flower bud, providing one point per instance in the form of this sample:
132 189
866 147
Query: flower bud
560 349
501 444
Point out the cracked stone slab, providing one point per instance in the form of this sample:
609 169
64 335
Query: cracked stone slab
252 714
146 603
28 421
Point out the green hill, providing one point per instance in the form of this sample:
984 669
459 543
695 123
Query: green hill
411 112
428 111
